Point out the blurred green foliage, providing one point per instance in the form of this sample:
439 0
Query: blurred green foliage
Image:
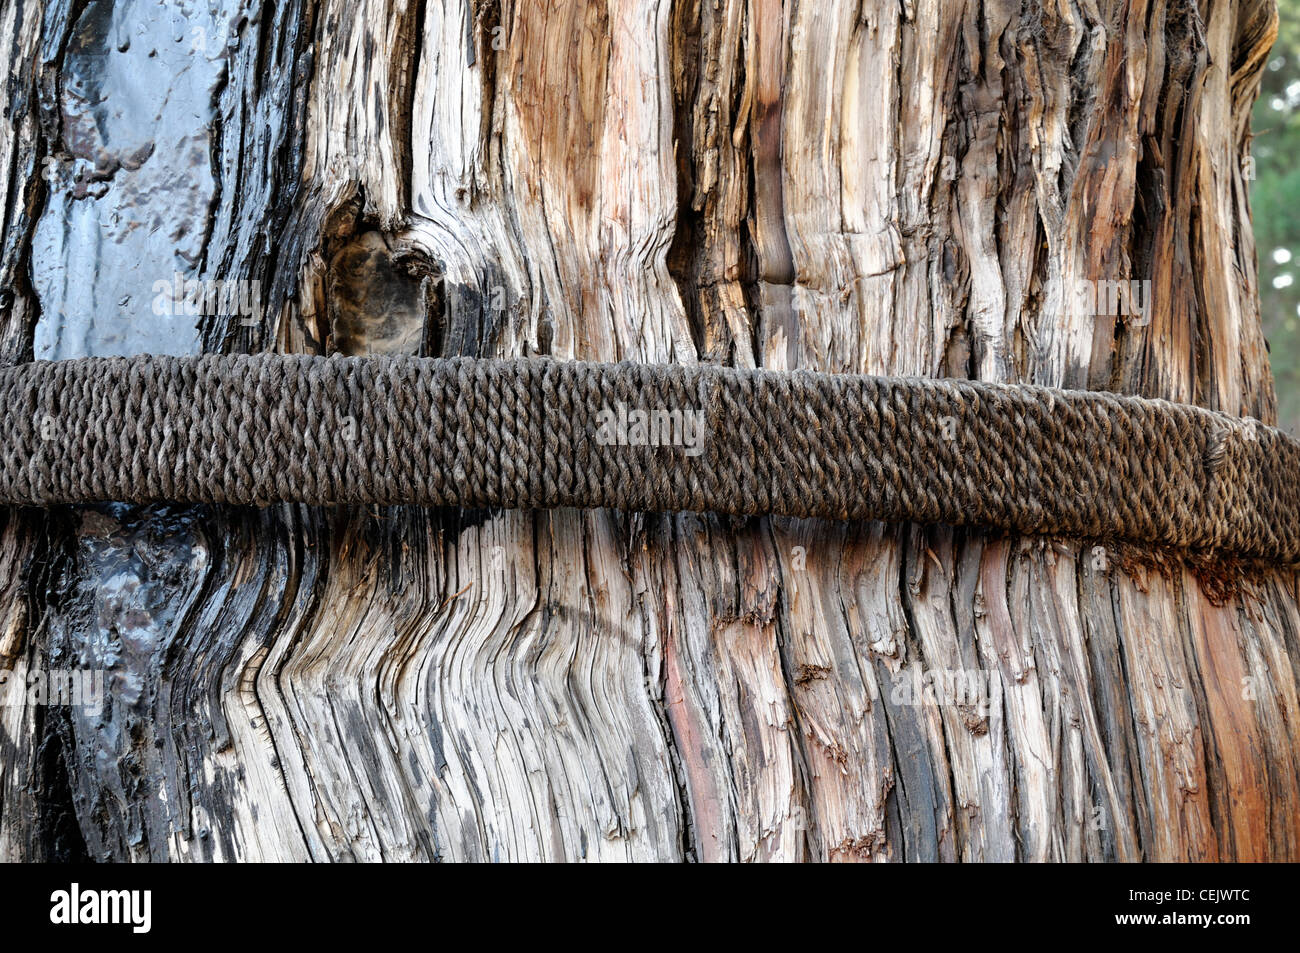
1274 199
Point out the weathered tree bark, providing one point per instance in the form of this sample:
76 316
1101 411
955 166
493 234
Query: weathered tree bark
894 188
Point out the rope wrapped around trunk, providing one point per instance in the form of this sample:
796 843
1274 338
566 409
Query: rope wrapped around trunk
537 433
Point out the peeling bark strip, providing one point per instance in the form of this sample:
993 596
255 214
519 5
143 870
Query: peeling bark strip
538 434
898 189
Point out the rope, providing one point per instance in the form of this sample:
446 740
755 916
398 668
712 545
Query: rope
537 433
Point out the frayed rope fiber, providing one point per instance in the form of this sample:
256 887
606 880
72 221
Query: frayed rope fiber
539 433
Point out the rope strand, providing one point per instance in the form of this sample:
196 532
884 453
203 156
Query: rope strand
538 433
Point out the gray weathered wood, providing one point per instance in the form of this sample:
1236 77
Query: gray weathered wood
900 188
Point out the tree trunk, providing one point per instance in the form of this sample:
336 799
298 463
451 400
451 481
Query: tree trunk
889 188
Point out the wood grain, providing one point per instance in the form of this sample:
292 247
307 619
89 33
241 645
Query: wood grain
908 188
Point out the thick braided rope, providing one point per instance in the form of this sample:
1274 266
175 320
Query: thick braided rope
539 433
